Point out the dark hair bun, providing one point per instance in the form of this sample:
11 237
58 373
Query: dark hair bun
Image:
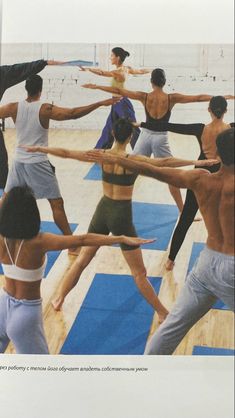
158 77
218 105
121 53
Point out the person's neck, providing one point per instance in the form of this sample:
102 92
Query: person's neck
119 147
216 121
157 89
33 98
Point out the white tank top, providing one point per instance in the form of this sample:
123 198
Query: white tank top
29 131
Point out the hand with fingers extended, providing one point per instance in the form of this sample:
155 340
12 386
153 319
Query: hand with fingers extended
83 68
136 241
206 163
89 85
100 156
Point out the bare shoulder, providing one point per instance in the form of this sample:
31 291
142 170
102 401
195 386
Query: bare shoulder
47 107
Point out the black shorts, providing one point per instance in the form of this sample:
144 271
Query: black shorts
114 216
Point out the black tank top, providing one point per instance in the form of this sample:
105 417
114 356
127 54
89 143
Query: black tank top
151 119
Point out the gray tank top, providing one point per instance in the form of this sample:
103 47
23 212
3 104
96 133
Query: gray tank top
29 131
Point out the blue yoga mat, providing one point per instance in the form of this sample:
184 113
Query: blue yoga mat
52 255
114 318
197 248
155 221
1 192
212 351
94 173
80 62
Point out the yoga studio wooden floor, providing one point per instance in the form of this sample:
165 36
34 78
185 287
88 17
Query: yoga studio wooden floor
81 197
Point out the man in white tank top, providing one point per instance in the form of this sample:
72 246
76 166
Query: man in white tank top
32 118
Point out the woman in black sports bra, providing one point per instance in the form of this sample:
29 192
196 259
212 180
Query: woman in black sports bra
114 214
158 106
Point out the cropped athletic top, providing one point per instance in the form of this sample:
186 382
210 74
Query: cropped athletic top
118 84
17 273
151 119
125 179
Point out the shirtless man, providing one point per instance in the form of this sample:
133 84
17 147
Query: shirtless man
212 276
32 118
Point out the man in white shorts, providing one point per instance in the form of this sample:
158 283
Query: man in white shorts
32 118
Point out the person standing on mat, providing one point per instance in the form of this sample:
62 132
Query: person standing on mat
32 118
206 136
114 214
212 276
158 106
10 75
23 254
124 108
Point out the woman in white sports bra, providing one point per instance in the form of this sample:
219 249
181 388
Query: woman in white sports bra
23 256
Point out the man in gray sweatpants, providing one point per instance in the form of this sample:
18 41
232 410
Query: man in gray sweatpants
212 276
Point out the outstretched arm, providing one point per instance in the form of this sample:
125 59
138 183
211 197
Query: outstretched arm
111 158
175 177
195 129
135 95
14 74
139 71
116 74
52 242
60 152
59 113
183 98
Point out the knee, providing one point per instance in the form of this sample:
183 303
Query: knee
140 276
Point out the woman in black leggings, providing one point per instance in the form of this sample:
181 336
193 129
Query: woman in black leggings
206 136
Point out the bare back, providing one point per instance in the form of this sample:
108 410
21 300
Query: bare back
157 104
215 196
210 133
114 191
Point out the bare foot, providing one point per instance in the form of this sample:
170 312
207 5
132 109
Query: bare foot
169 265
57 303
162 316
74 251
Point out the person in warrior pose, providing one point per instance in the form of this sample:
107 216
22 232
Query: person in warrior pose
32 118
114 213
206 136
124 108
23 254
158 106
212 276
10 75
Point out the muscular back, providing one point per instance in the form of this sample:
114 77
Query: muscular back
215 196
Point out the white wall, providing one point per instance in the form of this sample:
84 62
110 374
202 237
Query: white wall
190 69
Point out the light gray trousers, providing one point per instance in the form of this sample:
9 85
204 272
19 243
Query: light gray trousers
211 278
21 323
